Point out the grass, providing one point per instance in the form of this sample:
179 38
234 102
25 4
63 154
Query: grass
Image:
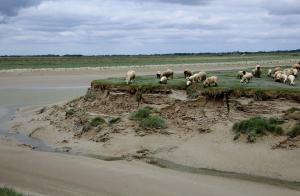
148 121
295 131
261 88
153 122
8 192
257 126
97 121
126 60
141 114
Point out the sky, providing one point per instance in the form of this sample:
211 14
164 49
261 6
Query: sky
94 27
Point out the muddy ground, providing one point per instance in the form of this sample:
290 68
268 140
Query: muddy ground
198 134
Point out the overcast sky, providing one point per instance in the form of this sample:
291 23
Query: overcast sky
147 27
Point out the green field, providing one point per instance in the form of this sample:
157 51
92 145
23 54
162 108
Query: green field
227 81
11 62
8 192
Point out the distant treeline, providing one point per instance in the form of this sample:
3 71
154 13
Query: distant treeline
170 54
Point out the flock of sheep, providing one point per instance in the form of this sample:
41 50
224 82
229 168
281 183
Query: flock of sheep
286 76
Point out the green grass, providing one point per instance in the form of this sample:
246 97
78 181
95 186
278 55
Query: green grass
153 122
8 192
261 88
257 126
123 60
97 121
141 114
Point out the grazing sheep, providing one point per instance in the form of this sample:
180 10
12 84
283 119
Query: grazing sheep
297 66
257 71
158 74
187 73
290 79
168 73
280 77
291 71
246 78
276 75
211 80
272 74
163 80
202 75
194 78
240 74
130 76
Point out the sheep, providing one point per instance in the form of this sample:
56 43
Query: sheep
194 78
271 73
163 80
290 79
202 75
158 74
211 80
291 71
187 73
280 77
277 74
257 71
130 76
247 77
297 66
240 74
168 73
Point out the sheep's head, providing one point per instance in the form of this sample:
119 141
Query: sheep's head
188 83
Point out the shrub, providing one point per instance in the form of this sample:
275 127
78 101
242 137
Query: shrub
114 120
295 131
293 109
8 192
97 121
257 126
70 112
141 113
154 122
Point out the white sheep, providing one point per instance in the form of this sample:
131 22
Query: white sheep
211 80
257 71
130 76
194 78
202 75
291 71
168 73
297 66
247 77
280 77
163 80
290 80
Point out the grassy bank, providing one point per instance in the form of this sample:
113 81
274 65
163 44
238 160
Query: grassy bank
228 82
101 61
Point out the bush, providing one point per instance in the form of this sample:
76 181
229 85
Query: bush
154 122
8 192
293 109
97 121
257 126
141 114
114 120
70 112
295 131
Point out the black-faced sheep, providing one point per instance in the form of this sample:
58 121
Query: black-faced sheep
257 71
211 80
158 74
187 73
130 76
163 80
246 78
240 74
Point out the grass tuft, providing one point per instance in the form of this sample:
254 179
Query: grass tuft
257 126
295 131
153 122
141 113
8 192
97 121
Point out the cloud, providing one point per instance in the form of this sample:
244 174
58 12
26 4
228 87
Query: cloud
11 7
154 26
